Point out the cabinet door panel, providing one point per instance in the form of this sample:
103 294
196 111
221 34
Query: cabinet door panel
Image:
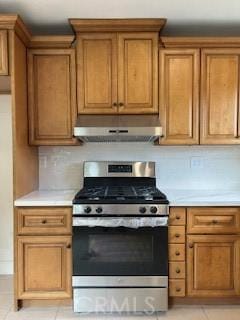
3 53
137 72
219 96
213 265
179 95
40 257
97 73
52 96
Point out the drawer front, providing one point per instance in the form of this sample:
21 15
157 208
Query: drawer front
176 234
213 220
176 270
44 221
177 216
176 252
176 288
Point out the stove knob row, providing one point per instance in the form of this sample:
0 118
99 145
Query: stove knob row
153 209
99 210
87 209
142 209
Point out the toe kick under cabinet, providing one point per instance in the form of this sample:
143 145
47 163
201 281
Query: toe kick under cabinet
43 252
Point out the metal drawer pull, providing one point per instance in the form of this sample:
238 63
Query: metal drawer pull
69 246
178 217
177 235
115 104
190 245
177 253
178 270
44 221
214 221
121 104
178 289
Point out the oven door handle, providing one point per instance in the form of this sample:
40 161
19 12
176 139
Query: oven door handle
114 222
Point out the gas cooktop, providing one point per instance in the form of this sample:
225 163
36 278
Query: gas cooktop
120 194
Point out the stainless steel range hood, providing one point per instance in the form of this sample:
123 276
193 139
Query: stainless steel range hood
117 128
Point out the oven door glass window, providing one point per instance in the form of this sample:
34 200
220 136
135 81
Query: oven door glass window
119 251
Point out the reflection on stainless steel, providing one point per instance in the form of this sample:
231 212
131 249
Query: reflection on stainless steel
108 128
148 300
120 281
101 169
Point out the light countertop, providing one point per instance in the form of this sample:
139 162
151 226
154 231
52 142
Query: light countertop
46 198
184 198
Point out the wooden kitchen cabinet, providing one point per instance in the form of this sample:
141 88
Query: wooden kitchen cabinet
44 267
179 95
117 73
213 265
3 53
219 96
51 96
138 72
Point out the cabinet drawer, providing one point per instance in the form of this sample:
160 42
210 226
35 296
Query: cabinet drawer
176 270
176 252
213 220
177 288
44 220
177 216
176 234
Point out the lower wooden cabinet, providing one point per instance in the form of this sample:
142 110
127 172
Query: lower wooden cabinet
213 265
44 267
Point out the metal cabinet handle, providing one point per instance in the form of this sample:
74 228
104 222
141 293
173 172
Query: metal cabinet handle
214 221
177 235
178 289
114 104
68 246
190 245
178 217
162 136
178 270
121 104
44 221
177 253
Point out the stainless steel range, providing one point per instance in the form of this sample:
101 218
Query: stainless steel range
120 239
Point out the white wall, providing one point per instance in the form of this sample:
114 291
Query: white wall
6 188
46 16
197 167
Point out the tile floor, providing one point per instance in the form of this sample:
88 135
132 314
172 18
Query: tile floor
60 311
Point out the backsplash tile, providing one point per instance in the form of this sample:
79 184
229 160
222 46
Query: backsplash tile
193 167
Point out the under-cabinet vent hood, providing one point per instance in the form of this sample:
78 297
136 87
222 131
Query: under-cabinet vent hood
118 128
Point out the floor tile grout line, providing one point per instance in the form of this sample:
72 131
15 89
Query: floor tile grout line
205 313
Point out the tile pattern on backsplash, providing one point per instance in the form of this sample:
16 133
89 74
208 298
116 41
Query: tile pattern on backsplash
193 167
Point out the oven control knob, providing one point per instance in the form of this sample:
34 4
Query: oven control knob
153 209
87 209
142 209
99 210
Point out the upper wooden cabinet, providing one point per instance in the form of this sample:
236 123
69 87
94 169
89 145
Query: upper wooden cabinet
179 95
117 72
51 96
97 73
220 96
3 53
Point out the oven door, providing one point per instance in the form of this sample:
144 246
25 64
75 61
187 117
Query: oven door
135 249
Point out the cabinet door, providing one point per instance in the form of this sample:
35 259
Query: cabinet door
213 265
179 95
138 73
52 96
97 73
3 53
219 96
44 267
